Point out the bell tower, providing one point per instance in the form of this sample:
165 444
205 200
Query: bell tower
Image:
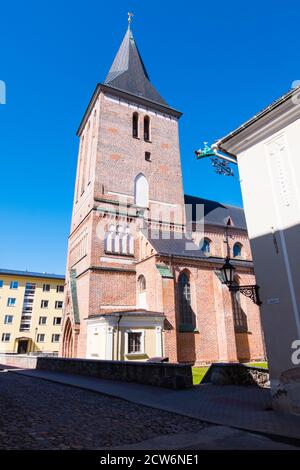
128 177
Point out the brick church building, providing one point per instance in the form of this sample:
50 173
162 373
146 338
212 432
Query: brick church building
143 270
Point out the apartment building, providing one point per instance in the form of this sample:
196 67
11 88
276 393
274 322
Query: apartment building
31 307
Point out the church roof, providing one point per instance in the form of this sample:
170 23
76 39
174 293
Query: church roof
216 213
181 245
173 243
128 72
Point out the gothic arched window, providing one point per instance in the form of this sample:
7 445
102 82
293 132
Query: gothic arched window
205 246
141 283
141 191
237 250
135 125
142 296
239 316
147 128
184 286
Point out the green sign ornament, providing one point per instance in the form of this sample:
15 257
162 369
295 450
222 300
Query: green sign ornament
219 163
205 152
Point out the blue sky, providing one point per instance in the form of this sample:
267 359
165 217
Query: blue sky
217 62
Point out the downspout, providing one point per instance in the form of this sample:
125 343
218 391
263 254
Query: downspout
118 329
230 157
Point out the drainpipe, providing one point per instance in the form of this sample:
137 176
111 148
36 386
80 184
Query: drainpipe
229 156
118 329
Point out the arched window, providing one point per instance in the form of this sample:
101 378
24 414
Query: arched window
239 316
186 315
147 128
135 125
142 283
205 246
109 238
141 191
118 239
142 299
237 250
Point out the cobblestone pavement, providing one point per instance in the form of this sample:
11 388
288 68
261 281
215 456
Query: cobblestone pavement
36 414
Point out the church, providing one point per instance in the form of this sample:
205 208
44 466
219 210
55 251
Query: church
143 273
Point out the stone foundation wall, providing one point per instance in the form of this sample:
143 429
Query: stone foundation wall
21 362
237 374
166 375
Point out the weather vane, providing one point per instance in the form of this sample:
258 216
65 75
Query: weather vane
219 162
130 15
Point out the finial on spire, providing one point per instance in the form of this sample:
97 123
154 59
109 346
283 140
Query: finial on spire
130 15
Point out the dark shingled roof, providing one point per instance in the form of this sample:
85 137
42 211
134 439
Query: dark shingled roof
129 74
169 243
173 243
129 313
216 213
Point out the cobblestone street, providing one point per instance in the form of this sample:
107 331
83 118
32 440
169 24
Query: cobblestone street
36 414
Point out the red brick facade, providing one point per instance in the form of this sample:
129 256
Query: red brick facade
109 160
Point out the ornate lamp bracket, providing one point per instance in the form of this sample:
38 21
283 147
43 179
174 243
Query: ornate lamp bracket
249 291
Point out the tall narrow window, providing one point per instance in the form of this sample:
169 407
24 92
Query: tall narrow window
79 171
237 250
141 191
142 296
135 125
85 158
186 315
239 316
205 246
147 128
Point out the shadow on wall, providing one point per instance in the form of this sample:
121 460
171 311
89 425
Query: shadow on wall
276 259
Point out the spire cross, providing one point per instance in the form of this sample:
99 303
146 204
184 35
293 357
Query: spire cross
130 15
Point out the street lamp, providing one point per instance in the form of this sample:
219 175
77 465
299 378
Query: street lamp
250 291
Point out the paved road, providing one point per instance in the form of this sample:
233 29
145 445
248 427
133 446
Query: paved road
38 414
35 414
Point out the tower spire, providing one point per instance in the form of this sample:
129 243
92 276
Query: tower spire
130 16
128 72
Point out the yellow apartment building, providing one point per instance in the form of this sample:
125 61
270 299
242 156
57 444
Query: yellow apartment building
31 306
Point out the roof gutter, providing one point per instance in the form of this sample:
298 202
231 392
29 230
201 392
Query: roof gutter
219 144
228 157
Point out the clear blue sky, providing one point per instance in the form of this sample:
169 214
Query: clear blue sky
218 62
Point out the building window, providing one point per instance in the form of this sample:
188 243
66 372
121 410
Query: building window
239 316
5 337
42 320
134 343
237 250
148 156
11 302
55 338
186 314
44 303
46 288
8 319
205 246
57 320
59 289
142 283
135 125
1 283
58 304
147 128
141 191
40 338
14 285
142 295
119 240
